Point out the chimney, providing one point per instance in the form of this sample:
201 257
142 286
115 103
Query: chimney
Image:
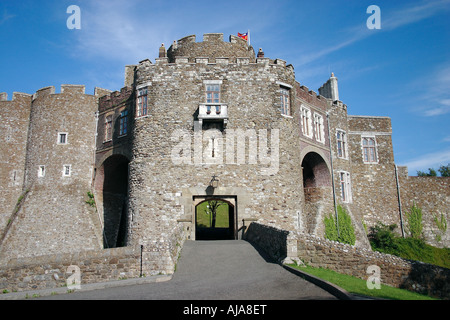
162 51
330 89
260 53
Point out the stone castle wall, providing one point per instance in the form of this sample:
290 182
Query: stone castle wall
54 217
145 181
14 120
432 195
282 245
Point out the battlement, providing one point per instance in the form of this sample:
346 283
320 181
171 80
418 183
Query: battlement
310 96
213 46
16 97
115 98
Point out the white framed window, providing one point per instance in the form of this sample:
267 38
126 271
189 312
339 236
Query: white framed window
346 190
142 103
319 128
62 138
212 93
341 140
306 121
369 149
41 171
67 170
123 123
108 128
285 101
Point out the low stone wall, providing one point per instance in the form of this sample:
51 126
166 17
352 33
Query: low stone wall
52 271
316 252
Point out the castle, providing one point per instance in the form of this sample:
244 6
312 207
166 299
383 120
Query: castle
206 120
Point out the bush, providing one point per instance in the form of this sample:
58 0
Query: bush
382 237
346 230
415 225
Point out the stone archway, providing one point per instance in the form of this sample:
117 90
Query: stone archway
317 187
220 227
111 188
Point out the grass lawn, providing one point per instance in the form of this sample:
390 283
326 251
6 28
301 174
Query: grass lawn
358 286
204 219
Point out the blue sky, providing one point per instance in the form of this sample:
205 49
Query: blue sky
401 70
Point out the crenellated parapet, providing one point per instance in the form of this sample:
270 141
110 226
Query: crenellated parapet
114 99
212 46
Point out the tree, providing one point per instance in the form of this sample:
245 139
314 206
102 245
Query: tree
211 209
445 170
431 173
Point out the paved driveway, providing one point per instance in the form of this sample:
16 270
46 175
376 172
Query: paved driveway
216 270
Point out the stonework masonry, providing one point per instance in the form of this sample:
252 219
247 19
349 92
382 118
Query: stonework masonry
128 168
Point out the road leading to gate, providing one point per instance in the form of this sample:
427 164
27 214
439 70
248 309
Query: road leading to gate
216 270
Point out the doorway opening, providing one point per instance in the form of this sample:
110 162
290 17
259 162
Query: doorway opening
317 189
112 189
215 219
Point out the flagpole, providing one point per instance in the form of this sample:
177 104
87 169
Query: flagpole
248 31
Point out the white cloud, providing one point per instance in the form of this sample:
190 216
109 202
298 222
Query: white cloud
431 160
437 97
390 21
411 14
5 17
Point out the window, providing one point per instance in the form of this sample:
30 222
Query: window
369 150
212 93
123 123
284 98
318 128
41 171
62 138
108 128
344 178
341 138
142 106
305 115
67 170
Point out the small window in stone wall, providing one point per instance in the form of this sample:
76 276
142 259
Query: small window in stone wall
341 139
285 101
306 121
319 128
141 103
62 138
108 128
41 171
346 191
123 123
67 170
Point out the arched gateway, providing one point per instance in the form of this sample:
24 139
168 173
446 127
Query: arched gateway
215 219
317 189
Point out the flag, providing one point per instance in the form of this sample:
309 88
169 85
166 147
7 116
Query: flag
243 36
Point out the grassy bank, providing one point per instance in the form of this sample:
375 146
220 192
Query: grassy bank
358 286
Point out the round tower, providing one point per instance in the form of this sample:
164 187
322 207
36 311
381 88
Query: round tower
211 109
59 165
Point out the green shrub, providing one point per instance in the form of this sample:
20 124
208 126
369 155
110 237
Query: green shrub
442 226
415 225
346 232
382 237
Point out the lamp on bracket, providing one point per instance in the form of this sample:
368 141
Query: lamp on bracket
214 183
